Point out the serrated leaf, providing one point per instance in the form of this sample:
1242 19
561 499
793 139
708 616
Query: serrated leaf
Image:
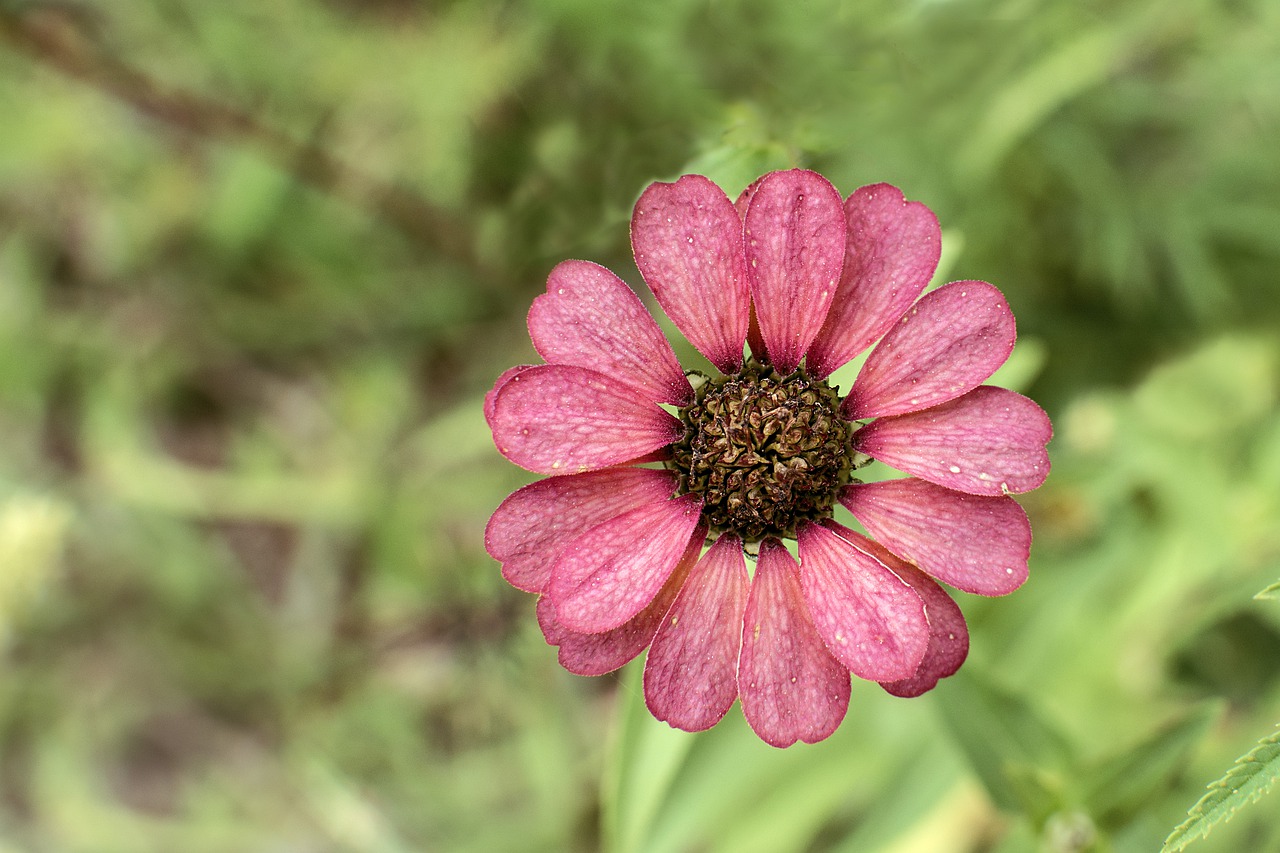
1008 743
1272 592
1118 788
1247 780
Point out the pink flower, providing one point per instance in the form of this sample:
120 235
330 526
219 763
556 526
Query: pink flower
612 541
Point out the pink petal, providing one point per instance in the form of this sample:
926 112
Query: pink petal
596 654
687 240
558 419
753 327
602 579
589 318
792 688
795 245
893 248
948 634
491 396
948 344
991 441
528 529
975 543
691 675
872 621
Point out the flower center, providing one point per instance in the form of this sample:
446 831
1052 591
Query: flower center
763 451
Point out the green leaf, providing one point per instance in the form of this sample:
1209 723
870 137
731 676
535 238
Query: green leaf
1118 788
744 150
1026 102
1228 382
917 787
735 794
1018 756
1250 777
1271 592
645 760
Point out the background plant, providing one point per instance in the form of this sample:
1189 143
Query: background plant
259 261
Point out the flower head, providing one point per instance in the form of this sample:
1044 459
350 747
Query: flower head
645 470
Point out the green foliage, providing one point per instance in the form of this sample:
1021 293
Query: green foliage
1020 757
259 263
645 763
1118 788
1246 782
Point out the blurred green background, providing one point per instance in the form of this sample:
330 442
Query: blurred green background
259 262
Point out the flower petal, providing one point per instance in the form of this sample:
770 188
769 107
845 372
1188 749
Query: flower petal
991 441
528 529
792 688
491 396
558 419
687 240
691 675
975 543
795 245
892 252
590 318
753 327
611 573
596 654
872 621
948 633
945 346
